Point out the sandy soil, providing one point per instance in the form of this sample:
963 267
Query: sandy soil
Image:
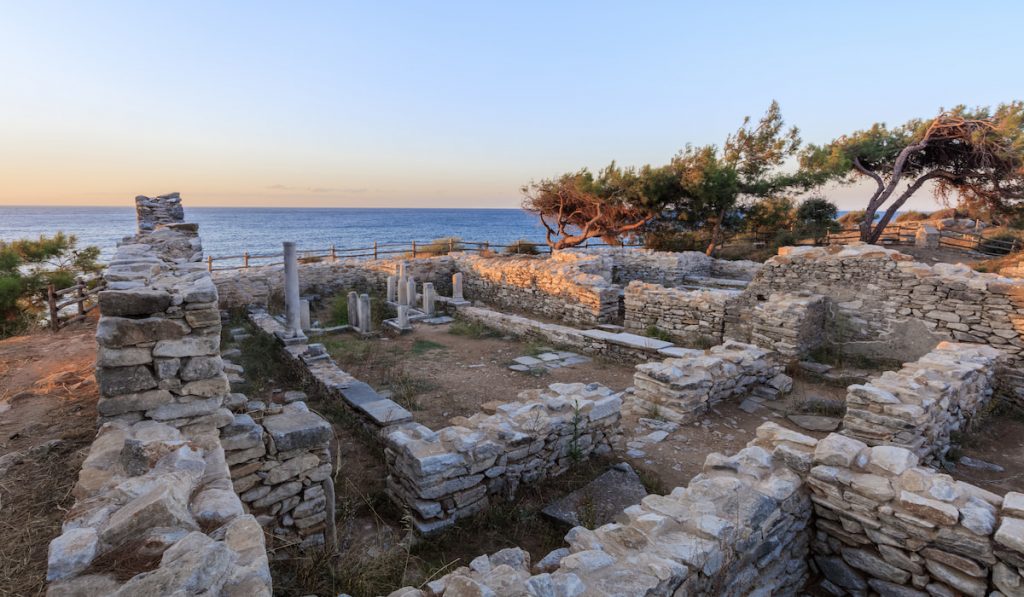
47 422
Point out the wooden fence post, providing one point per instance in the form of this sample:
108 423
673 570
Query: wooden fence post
245 259
451 244
80 293
414 249
51 299
375 250
209 263
334 253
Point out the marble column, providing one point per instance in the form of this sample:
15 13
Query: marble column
364 313
457 287
403 317
304 314
428 298
410 291
353 310
291 290
391 289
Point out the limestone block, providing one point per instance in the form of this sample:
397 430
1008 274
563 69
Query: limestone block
294 430
140 301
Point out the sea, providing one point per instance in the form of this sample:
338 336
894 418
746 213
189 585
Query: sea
232 231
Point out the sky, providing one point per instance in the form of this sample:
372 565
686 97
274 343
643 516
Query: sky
452 104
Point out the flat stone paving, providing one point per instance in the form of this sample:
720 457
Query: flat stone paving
548 360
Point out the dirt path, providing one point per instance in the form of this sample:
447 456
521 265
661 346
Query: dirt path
47 422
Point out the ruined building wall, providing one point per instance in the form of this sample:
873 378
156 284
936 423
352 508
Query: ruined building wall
155 487
559 287
684 387
688 316
741 527
445 475
922 404
883 304
257 285
885 524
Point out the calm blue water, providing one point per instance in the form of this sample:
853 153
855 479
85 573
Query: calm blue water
230 231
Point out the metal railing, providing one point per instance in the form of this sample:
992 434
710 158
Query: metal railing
81 295
411 249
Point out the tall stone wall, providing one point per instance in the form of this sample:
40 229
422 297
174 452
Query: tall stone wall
559 287
445 475
881 303
884 524
741 527
919 406
155 488
687 316
657 267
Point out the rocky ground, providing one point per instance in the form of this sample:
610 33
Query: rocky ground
47 421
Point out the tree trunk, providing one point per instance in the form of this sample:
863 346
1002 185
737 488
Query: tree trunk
867 234
715 233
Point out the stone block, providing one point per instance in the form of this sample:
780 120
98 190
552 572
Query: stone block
139 301
125 380
296 429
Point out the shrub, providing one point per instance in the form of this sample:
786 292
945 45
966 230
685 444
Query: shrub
673 241
440 246
815 217
912 216
785 238
522 247
851 219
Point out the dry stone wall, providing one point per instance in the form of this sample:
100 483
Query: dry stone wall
445 475
257 285
741 527
792 324
683 387
884 524
561 287
155 488
882 303
922 404
688 316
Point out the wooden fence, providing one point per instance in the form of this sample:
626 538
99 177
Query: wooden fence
379 250
906 235
81 295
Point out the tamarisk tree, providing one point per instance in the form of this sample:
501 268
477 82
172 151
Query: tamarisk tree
975 156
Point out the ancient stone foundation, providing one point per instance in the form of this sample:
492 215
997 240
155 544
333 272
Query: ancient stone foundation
922 404
687 385
689 316
452 473
155 488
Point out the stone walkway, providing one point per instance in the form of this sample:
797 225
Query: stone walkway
548 360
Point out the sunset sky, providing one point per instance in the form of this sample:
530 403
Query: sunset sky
445 104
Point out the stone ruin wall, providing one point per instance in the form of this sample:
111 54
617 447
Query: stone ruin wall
866 520
741 527
922 404
687 316
155 487
571 287
442 476
881 303
684 387
885 524
258 285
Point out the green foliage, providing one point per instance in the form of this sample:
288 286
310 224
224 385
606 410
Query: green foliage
338 310
674 240
770 215
815 217
422 346
472 329
440 246
700 188
522 247
654 331
27 266
975 156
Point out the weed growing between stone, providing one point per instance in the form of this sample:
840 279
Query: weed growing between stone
472 329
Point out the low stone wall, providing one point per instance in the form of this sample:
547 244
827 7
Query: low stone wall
559 287
919 406
658 267
281 469
741 527
599 342
445 475
683 387
883 304
792 324
687 316
256 285
886 525
155 489
740 269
